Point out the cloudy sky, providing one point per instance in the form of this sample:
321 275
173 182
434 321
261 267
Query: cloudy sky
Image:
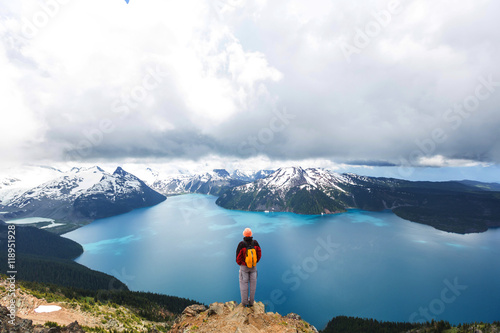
363 83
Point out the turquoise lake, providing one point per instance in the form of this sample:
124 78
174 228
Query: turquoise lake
364 264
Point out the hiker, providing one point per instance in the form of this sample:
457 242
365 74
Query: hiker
248 255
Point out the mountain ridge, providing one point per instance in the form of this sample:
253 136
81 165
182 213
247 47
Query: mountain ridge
116 194
80 196
212 182
449 206
84 194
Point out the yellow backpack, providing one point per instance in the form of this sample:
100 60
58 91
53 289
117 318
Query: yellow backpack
251 257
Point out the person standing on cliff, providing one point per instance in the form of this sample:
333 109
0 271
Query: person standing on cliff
248 270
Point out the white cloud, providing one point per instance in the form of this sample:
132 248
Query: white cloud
16 114
227 64
441 161
86 55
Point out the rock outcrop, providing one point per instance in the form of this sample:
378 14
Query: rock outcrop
233 318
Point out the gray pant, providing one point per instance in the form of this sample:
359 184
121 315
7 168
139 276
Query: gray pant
248 276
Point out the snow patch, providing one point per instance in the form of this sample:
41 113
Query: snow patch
30 220
87 179
52 225
47 308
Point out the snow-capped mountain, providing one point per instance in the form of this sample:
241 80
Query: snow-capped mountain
21 179
321 187
62 198
115 194
250 175
277 192
212 182
84 194
207 183
64 189
450 206
8 182
286 178
9 189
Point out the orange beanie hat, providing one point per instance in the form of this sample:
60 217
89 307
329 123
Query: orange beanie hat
247 232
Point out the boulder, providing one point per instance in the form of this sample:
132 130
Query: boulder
293 316
215 309
230 318
193 310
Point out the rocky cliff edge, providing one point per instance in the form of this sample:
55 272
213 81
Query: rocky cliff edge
233 318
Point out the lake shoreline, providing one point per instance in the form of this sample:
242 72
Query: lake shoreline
137 246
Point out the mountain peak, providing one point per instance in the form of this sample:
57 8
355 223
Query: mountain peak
222 173
289 177
120 172
294 168
96 168
230 317
80 170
